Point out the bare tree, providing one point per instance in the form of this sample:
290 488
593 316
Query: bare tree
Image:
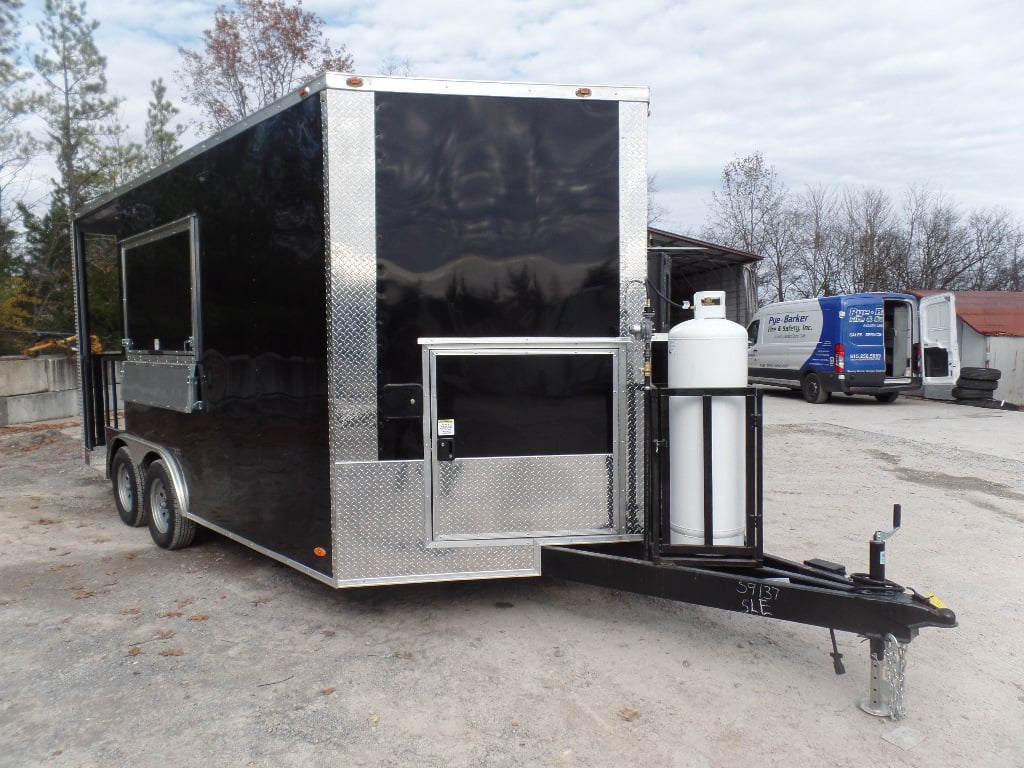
938 252
819 242
871 240
655 210
994 240
752 212
254 55
395 67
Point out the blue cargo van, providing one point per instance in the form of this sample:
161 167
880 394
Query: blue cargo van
877 344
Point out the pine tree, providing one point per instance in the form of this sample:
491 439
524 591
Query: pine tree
161 140
74 101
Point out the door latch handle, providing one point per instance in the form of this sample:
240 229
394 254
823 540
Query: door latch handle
446 449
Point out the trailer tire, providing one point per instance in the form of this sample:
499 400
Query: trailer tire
124 478
887 397
961 393
813 390
981 374
979 384
169 528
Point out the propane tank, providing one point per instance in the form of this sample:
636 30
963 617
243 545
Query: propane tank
706 352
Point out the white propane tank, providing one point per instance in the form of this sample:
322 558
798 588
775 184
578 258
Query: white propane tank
707 351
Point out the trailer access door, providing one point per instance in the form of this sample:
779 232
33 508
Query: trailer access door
522 439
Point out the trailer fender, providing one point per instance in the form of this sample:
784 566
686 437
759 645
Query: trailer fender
144 453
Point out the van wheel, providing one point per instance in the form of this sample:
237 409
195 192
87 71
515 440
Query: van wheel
887 397
813 391
124 477
169 528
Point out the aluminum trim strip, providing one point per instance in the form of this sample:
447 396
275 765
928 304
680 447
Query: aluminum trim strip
630 93
350 178
633 293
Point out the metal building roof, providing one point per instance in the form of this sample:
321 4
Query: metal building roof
696 255
990 313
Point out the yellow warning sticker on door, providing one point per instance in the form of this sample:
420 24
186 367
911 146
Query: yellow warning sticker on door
446 427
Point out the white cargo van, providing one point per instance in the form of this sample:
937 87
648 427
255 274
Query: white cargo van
877 344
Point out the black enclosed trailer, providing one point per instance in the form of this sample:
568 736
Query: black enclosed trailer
393 330
379 330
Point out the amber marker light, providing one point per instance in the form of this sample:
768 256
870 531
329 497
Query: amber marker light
584 92
303 93
355 82
319 551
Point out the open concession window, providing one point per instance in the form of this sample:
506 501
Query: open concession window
161 317
159 288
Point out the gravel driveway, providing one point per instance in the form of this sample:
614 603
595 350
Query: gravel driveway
116 653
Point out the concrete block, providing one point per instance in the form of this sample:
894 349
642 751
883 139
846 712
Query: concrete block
42 406
22 376
26 375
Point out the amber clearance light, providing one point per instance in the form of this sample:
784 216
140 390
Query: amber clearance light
355 82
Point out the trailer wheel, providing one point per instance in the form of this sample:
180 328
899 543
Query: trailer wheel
169 528
981 374
813 391
124 477
887 397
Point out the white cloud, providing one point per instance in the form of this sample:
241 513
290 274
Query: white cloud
870 93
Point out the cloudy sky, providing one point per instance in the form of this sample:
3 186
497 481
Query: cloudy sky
855 92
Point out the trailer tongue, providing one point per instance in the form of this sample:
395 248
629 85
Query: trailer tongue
815 592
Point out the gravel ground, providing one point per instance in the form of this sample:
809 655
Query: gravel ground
116 653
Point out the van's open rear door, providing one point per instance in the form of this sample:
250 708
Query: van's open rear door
940 352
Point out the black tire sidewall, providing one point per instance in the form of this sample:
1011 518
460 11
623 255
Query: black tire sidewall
981 385
980 374
960 393
813 390
136 515
180 530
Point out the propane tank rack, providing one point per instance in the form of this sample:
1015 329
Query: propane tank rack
657 465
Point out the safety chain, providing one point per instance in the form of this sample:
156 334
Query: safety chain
895 675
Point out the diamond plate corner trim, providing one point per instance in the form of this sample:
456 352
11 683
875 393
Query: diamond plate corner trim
378 532
349 171
524 496
633 292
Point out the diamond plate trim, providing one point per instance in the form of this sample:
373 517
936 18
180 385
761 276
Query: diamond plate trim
379 537
524 496
633 293
352 273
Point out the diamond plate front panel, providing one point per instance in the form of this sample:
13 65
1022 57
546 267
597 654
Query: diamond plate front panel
524 495
632 285
352 273
379 532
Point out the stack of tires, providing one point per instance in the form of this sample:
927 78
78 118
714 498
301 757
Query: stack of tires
976 383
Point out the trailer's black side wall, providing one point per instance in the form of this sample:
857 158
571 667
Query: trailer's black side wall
495 217
257 459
